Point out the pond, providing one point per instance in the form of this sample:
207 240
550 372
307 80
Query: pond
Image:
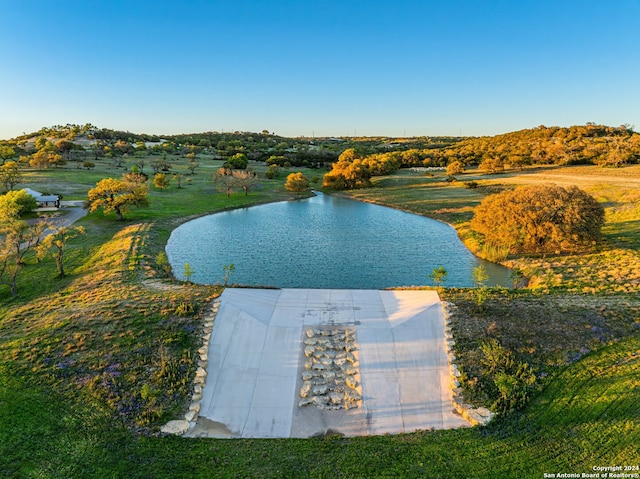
323 242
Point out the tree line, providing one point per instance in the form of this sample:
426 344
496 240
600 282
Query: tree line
584 144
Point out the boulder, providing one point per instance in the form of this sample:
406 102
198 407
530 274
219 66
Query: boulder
320 401
178 427
351 382
351 371
319 390
329 375
305 389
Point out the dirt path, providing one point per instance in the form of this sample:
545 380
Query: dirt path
75 211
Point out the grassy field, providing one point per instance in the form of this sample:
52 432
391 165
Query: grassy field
612 267
587 416
92 364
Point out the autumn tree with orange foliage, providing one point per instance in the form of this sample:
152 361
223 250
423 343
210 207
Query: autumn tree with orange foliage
113 195
297 182
539 219
349 172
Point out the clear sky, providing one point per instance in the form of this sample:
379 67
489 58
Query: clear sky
319 67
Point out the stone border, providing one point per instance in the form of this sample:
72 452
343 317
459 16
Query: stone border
476 416
182 426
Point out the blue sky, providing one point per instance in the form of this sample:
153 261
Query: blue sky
322 67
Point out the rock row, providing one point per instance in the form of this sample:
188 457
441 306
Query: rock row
331 376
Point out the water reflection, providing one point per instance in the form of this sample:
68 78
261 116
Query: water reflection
323 242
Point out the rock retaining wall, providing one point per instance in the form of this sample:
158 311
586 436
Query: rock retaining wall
182 426
476 416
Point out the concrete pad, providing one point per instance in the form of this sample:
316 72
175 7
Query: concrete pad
256 361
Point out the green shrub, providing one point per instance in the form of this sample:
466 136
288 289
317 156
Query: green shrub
510 382
162 262
185 309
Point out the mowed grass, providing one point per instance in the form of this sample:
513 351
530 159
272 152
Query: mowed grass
92 364
587 416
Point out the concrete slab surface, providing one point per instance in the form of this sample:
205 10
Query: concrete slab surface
256 361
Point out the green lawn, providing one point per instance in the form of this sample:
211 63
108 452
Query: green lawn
587 416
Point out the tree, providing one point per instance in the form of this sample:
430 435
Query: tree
348 155
492 164
275 160
455 168
239 161
162 262
228 269
112 195
135 177
161 181
273 171
156 165
296 182
188 272
16 238
65 147
41 159
57 241
10 175
346 175
56 160
9 210
122 147
20 201
178 177
438 275
141 160
192 165
245 179
480 276
224 180
6 152
539 219
517 277
89 165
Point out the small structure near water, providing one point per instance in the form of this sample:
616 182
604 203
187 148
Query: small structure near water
44 201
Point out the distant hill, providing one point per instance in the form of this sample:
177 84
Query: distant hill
583 144
588 144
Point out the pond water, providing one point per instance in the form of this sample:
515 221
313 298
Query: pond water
323 242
